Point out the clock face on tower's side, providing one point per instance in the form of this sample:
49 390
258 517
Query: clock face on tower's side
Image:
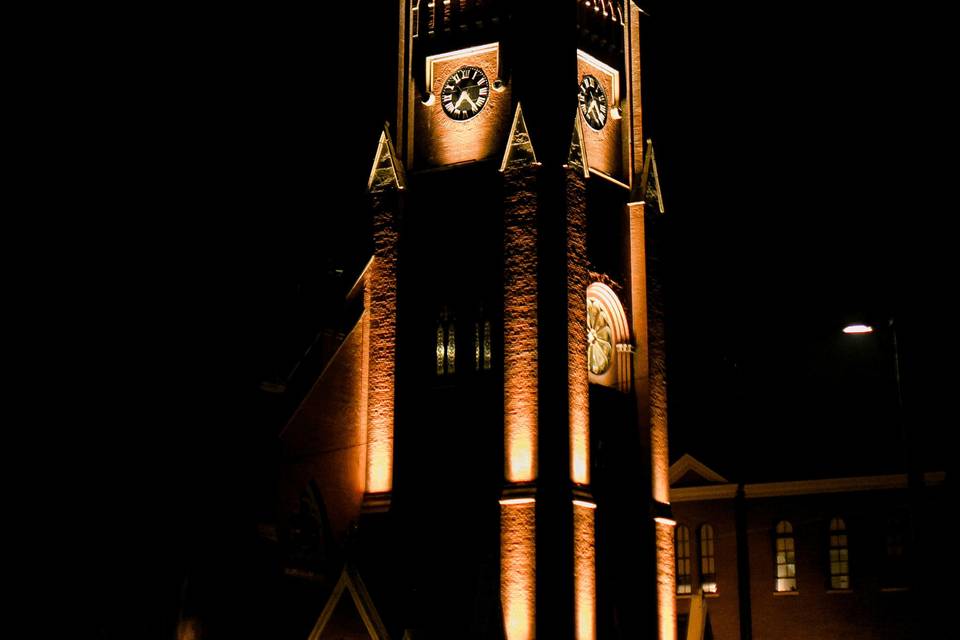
593 102
464 93
599 338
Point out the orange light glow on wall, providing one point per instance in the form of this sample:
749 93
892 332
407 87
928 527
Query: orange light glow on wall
364 376
578 384
379 465
381 301
520 407
441 140
520 327
638 309
666 583
188 629
578 380
521 449
584 571
517 567
579 447
660 460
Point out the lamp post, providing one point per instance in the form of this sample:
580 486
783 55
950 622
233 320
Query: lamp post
864 329
861 329
914 477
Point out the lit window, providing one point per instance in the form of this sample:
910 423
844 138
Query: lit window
599 338
451 347
487 349
708 560
446 14
684 583
482 356
441 350
839 555
446 345
786 557
415 18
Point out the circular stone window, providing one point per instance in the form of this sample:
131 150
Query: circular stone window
599 338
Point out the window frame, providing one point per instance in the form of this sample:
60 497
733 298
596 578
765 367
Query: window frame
707 556
687 559
838 554
446 345
789 547
482 344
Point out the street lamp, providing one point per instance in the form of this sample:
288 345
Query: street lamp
862 329
858 328
914 478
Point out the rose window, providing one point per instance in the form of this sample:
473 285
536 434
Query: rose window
599 338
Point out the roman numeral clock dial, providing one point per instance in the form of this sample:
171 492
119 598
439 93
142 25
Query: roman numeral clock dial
464 93
593 102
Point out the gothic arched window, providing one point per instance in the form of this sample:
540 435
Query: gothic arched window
446 344
786 557
415 18
839 555
608 339
482 350
708 560
682 546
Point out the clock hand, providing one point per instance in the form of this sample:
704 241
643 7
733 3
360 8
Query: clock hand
465 96
593 107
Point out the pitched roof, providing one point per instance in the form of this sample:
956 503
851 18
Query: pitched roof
688 465
351 582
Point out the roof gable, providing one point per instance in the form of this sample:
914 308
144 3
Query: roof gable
351 582
688 471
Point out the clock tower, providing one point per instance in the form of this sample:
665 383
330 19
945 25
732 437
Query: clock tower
506 380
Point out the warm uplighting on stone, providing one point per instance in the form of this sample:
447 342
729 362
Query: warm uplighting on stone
666 583
584 570
442 140
521 449
580 457
658 450
379 466
189 629
517 567
520 328
381 305
578 381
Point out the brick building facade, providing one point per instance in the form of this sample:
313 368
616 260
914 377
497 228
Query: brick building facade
823 558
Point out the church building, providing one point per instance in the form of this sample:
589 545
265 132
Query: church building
485 453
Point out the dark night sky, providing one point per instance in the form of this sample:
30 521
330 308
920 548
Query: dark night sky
795 152
799 149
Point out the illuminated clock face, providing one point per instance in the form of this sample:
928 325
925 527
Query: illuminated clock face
593 102
464 93
599 338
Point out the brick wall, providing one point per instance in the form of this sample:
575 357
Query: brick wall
324 440
815 611
722 607
870 609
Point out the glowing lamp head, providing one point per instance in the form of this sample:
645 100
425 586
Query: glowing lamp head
856 329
